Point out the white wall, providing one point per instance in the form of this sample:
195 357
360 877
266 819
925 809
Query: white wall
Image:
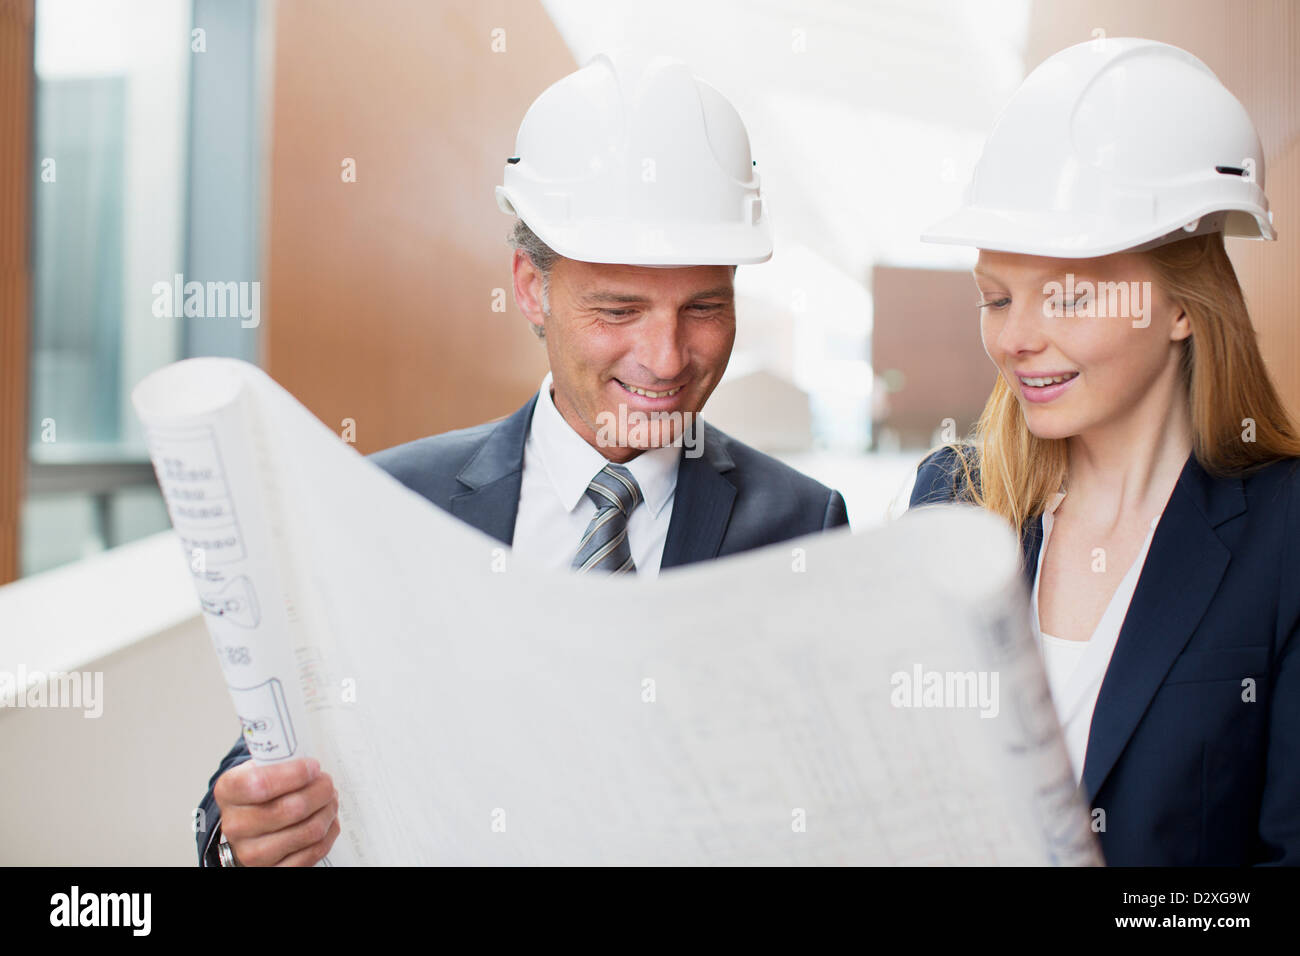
120 788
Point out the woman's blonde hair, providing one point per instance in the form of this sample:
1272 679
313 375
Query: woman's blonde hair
1006 469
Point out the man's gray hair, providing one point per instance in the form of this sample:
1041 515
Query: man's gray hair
543 258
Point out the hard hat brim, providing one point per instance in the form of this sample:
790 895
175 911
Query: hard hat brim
676 244
653 245
1071 236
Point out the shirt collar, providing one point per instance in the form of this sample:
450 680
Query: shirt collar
1049 512
571 463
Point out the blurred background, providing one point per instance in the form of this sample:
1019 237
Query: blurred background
169 141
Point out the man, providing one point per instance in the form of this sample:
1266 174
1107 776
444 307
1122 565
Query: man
636 199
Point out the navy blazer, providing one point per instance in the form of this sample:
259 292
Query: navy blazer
731 498
1188 768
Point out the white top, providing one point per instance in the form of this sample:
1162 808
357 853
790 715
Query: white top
554 509
1075 669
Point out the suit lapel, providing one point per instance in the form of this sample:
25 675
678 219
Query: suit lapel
1181 574
702 503
492 477
1031 540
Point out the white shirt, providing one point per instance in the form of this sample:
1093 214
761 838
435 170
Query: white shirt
1075 669
554 509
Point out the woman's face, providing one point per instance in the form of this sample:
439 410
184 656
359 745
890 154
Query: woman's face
1080 342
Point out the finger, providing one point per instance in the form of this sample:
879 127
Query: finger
284 812
249 785
279 814
313 854
272 848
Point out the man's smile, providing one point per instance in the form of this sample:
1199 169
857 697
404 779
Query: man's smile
648 393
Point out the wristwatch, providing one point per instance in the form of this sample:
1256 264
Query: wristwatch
226 853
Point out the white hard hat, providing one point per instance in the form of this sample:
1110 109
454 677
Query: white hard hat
644 165
1112 145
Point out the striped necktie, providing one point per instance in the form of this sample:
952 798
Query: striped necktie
604 548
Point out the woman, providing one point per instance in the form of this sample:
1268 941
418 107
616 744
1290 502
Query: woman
1135 442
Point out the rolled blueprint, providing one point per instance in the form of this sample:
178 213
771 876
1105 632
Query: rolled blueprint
865 699
208 439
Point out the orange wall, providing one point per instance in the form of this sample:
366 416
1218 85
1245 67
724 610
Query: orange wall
15 267
379 293
926 333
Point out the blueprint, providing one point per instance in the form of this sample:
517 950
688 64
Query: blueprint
838 699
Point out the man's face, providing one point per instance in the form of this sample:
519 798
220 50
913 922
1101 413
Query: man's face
616 333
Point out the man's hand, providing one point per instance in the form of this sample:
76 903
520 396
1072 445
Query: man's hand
283 814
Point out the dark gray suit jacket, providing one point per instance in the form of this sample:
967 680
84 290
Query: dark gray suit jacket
729 499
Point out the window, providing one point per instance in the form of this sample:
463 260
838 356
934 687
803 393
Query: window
146 164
